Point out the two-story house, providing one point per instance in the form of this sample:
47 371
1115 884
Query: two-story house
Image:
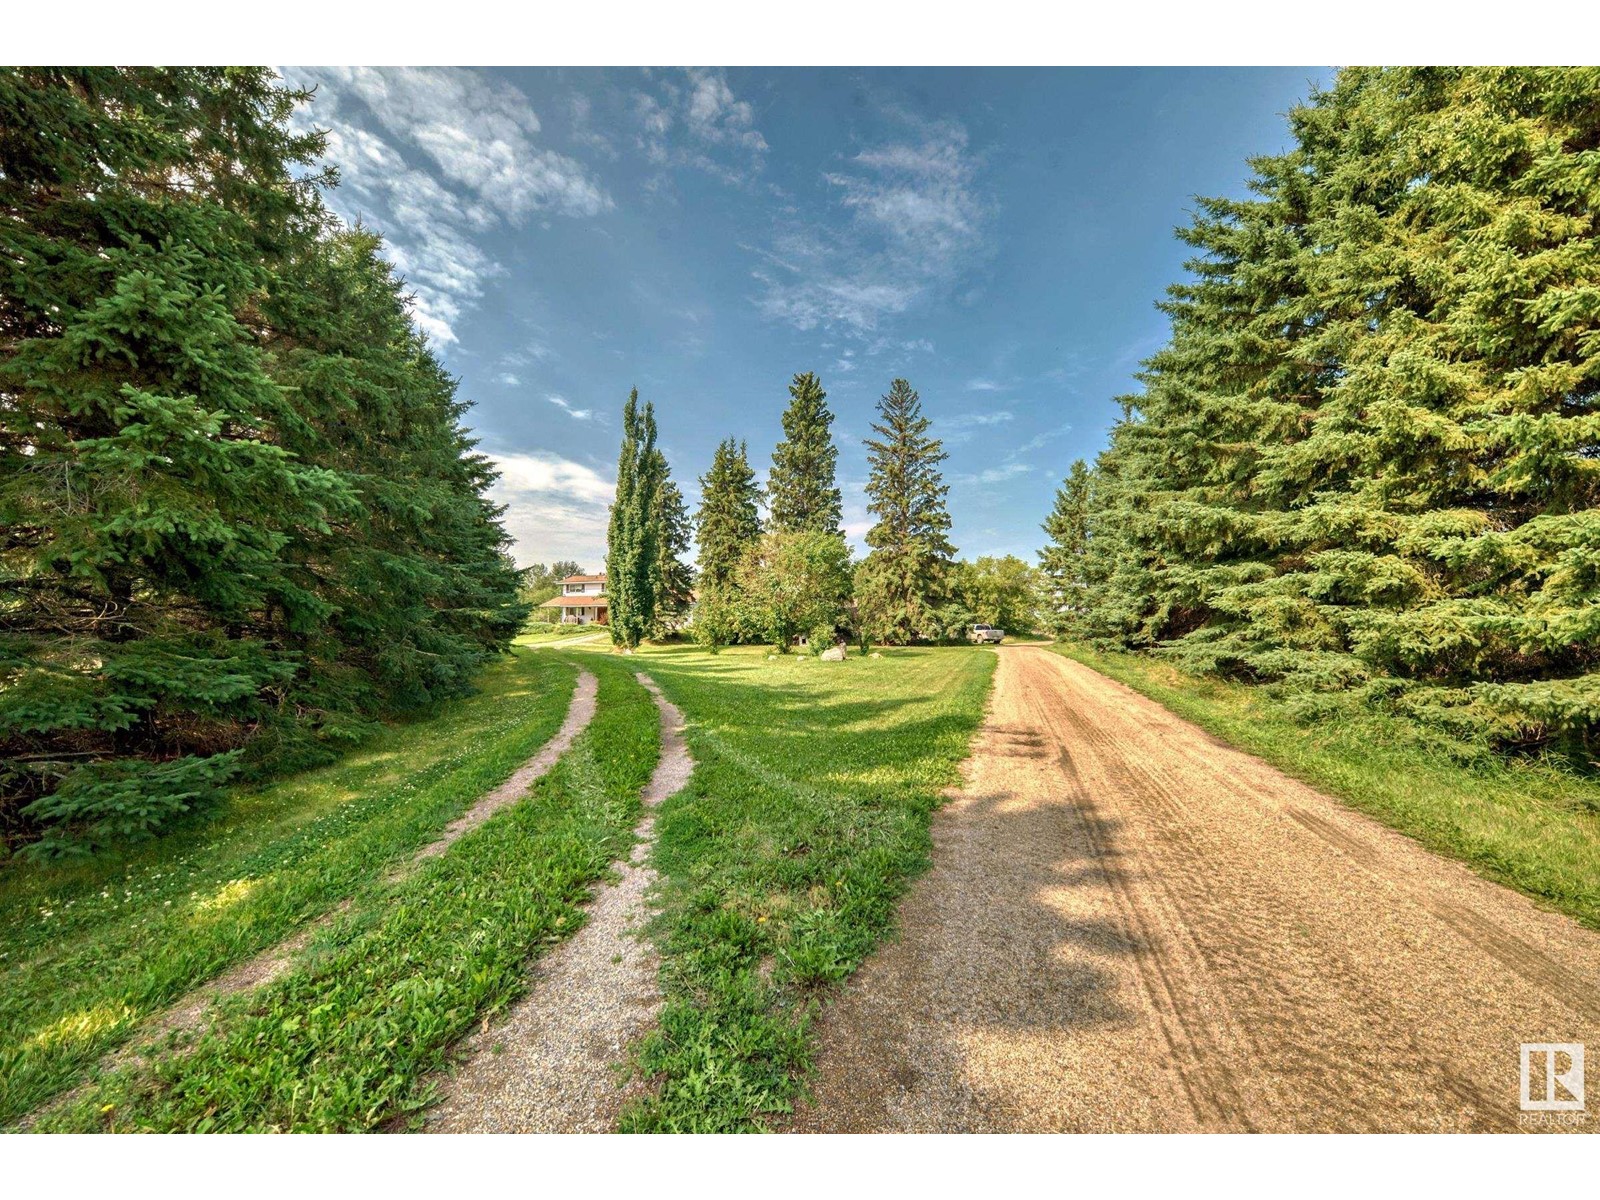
582 600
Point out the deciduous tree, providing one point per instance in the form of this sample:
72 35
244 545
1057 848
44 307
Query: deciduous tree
632 548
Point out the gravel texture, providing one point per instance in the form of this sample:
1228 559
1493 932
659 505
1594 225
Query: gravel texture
1130 926
551 1064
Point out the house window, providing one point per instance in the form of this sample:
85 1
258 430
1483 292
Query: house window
574 589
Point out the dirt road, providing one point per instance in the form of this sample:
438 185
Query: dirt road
1131 926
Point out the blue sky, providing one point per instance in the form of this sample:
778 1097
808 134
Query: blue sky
997 237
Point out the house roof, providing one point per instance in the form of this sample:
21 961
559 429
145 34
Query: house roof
593 600
600 578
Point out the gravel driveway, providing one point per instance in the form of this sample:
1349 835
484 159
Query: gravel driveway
1131 926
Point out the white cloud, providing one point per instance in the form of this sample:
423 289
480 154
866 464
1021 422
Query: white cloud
1041 440
432 159
478 131
969 419
577 414
984 385
533 352
507 378
555 507
694 119
716 115
998 474
915 223
964 426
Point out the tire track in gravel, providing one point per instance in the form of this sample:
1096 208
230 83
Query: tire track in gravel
194 1010
550 1065
1129 925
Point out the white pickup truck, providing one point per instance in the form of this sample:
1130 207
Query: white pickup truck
980 634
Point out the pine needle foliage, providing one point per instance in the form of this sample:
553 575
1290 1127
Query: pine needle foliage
1367 462
728 522
903 579
239 517
802 493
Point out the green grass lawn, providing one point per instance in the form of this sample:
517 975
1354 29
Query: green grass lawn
544 635
89 949
1524 824
349 1040
806 818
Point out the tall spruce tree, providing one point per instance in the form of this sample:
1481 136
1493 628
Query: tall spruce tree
902 580
674 580
632 548
238 516
1062 561
802 494
728 521
1367 461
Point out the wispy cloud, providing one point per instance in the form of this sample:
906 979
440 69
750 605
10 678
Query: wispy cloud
914 222
478 131
1000 474
507 378
555 507
964 426
966 420
433 159
1040 440
533 352
566 406
984 385
692 118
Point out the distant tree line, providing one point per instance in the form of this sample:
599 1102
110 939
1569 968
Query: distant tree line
239 517
1365 468
790 576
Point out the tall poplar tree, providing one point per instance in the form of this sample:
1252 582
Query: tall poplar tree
903 579
631 547
728 521
802 493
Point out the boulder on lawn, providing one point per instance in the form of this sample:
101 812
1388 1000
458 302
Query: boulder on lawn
834 653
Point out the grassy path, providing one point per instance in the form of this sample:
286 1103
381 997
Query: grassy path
780 865
805 819
89 951
550 1065
349 1038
